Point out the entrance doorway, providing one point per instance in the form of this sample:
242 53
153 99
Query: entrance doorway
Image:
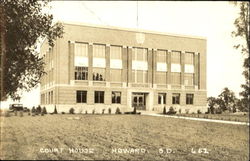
139 101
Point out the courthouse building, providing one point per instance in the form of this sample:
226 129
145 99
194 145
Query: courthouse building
101 67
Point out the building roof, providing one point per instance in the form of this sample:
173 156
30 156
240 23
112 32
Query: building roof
130 29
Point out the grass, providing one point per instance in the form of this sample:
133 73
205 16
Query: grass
23 137
227 117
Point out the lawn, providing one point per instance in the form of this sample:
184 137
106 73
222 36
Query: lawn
104 136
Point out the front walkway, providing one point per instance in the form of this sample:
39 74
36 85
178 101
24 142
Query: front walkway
154 113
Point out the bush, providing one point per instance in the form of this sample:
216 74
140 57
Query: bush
86 112
63 113
71 111
218 111
44 111
28 113
198 111
171 111
117 111
55 110
103 110
21 113
38 109
93 111
187 111
179 111
164 110
33 110
134 112
109 110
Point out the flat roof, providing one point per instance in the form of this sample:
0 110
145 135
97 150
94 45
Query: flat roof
130 29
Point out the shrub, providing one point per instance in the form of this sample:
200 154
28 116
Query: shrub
103 110
86 112
21 113
199 111
109 110
71 111
187 111
63 113
55 110
33 110
39 109
42 114
44 111
179 111
171 111
28 113
93 111
134 112
164 110
117 111
7 114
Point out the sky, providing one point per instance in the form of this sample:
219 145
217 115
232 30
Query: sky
212 20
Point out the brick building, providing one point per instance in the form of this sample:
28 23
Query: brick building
100 67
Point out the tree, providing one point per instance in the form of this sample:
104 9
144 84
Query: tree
227 98
242 31
25 25
55 110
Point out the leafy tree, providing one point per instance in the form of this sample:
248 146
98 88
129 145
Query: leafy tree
227 99
242 31
24 26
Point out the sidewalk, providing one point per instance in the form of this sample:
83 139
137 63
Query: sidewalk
153 113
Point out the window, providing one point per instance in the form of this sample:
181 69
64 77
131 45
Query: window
115 75
176 78
116 97
140 65
162 98
188 79
115 52
161 56
176 57
189 58
139 76
176 98
51 100
161 77
99 96
189 99
99 51
81 96
99 74
81 73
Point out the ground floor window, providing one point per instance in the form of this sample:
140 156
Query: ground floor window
81 73
190 99
81 96
162 98
116 97
175 98
99 96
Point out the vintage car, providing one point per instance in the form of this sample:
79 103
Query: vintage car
16 107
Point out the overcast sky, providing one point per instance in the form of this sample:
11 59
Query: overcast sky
213 20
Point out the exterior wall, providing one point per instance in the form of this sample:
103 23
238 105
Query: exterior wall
64 86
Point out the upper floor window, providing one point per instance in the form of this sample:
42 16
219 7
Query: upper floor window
189 58
81 55
81 73
176 57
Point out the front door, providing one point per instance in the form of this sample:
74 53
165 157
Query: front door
138 101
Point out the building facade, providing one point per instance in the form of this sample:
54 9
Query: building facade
99 67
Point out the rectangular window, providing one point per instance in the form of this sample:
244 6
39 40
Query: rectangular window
189 58
115 75
139 76
175 98
176 78
161 77
99 74
81 49
189 99
176 57
98 51
99 96
81 96
161 56
115 52
81 73
162 98
116 97
51 97
189 79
